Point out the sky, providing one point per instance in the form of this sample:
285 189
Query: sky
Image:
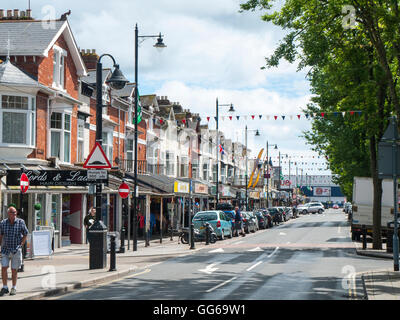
213 51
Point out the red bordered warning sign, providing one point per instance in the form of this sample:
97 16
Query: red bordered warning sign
97 159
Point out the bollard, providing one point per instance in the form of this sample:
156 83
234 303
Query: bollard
207 234
112 254
192 236
122 246
171 230
364 233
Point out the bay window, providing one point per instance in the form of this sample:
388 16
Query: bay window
107 145
17 120
81 128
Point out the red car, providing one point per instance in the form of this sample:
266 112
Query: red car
335 206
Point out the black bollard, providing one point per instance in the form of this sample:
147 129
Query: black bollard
112 254
192 237
364 233
207 234
122 246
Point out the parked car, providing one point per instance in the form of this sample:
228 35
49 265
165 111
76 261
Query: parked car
346 207
289 213
230 215
217 219
249 224
335 206
254 218
262 220
311 207
276 215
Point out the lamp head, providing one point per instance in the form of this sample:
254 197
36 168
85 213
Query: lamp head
276 147
117 80
231 109
160 44
257 133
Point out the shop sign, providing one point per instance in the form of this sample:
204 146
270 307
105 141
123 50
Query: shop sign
77 178
181 187
255 194
322 192
200 188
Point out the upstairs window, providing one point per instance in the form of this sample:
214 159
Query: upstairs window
59 67
17 120
60 134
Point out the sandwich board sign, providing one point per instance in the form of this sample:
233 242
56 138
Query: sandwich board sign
97 159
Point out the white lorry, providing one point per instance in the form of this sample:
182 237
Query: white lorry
363 197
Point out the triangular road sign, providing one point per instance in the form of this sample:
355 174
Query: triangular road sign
97 159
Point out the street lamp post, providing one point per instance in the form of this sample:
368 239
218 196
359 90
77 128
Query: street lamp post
217 148
269 163
98 232
159 45
247 160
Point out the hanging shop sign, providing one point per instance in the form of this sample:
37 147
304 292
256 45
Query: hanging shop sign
77 178
181 187
322 191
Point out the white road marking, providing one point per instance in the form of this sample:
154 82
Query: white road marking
276 249
255 249
253 266
221 284
238 242
217 250
339 230
210 268
282 234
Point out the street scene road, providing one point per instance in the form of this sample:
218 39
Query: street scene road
308 258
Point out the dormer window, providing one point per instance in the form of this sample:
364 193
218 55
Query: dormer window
59 67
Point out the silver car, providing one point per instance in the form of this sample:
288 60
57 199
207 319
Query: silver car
312 207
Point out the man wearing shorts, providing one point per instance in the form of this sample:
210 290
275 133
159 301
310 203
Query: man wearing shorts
13 234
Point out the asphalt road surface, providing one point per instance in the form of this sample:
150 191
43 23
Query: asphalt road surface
308 258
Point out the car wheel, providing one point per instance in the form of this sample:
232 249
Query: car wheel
320 211
304 211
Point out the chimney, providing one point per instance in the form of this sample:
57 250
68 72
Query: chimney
16 14
90 58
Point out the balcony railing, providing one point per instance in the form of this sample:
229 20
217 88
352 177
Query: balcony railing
144 167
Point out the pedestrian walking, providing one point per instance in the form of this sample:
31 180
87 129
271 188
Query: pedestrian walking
239 222
89 221
13 233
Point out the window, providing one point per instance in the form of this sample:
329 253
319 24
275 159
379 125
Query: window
17 120
81 129
59 67
60 134
108 145
170 163
205 172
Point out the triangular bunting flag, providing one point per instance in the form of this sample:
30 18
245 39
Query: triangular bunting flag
230 117
351 112
208 118
222 118
252 117
343 113
245 118
291 117
283 117
276 117
238 117
322 114
260 116
298 116
267 117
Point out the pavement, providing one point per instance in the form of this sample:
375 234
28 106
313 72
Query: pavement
379 284
68 268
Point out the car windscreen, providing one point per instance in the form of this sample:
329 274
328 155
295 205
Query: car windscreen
205 216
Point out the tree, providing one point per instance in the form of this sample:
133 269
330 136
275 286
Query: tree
351 68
